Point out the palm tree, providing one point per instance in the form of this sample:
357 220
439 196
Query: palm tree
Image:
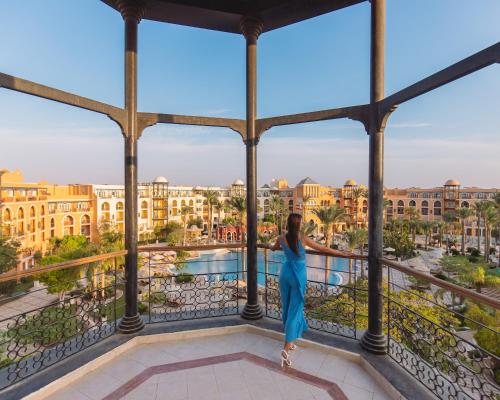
308 228
413 216
185 211
479 279
351 238
440 225
238 204
363 239
464 214
477 207
276 207
426 227
449 219
497 204
211 198
490 220
329 216
265 239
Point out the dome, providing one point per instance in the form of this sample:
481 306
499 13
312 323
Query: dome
238 182
452 182
160 179
350 182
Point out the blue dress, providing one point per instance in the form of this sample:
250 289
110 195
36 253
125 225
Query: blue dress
293 278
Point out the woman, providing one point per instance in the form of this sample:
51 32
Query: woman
292 281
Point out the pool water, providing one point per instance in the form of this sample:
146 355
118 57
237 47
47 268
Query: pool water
231 262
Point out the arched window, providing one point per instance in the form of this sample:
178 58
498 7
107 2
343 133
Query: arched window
42 210
290 205
85 226
144 210
390 207
365 206
69 225
174 207
413 203
465 204
20 221
120 216
437 208
191 203
32 223
425 207
106 216
183 203
401 207
7 219
52 227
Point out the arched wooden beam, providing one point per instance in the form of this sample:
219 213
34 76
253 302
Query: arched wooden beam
35 89
150 119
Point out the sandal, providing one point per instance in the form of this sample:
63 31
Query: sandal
285 359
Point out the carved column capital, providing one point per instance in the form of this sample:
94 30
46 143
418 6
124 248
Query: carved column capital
131 9
251 27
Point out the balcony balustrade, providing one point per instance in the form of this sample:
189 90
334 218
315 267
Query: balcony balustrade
426 334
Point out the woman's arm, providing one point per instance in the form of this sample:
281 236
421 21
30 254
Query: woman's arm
313 245
276 245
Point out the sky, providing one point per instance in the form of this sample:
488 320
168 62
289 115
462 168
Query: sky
321 63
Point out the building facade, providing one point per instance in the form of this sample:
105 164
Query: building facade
33 213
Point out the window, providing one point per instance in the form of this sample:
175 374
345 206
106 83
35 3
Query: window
413 203
20 221
390 207
7 219
365 206
69 225
52 228
464 204
437 208
120 216
425 207
106 216
85 226
144 209
401 207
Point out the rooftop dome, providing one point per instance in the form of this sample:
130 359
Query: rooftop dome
238 182
350 182
160 179
452 182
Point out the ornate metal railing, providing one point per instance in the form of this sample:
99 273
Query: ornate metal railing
452 347
52 312
332 293
181 286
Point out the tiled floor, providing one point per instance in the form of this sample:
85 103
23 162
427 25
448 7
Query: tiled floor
234 366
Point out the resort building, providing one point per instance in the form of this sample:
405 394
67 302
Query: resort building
33 213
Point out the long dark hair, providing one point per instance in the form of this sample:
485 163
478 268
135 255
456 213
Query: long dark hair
293 231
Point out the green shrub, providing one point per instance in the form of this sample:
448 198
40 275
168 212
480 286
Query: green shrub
455 252
473 259
142 308
475 252
184 278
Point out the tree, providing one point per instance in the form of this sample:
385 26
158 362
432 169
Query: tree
427 229
308 228
329 216
351 238
276 207
238 204
211 199
477 211
386 204
219 206
491 219
185 211
479 279
8 253
463 215
363 240
266 239
413 216
449 219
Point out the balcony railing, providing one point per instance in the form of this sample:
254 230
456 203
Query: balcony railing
428 334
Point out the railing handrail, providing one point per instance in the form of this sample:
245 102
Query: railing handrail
192 247
470 294
321 253
8 276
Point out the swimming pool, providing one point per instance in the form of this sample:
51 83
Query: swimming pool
231 262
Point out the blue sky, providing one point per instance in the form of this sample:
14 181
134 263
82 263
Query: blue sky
320 63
